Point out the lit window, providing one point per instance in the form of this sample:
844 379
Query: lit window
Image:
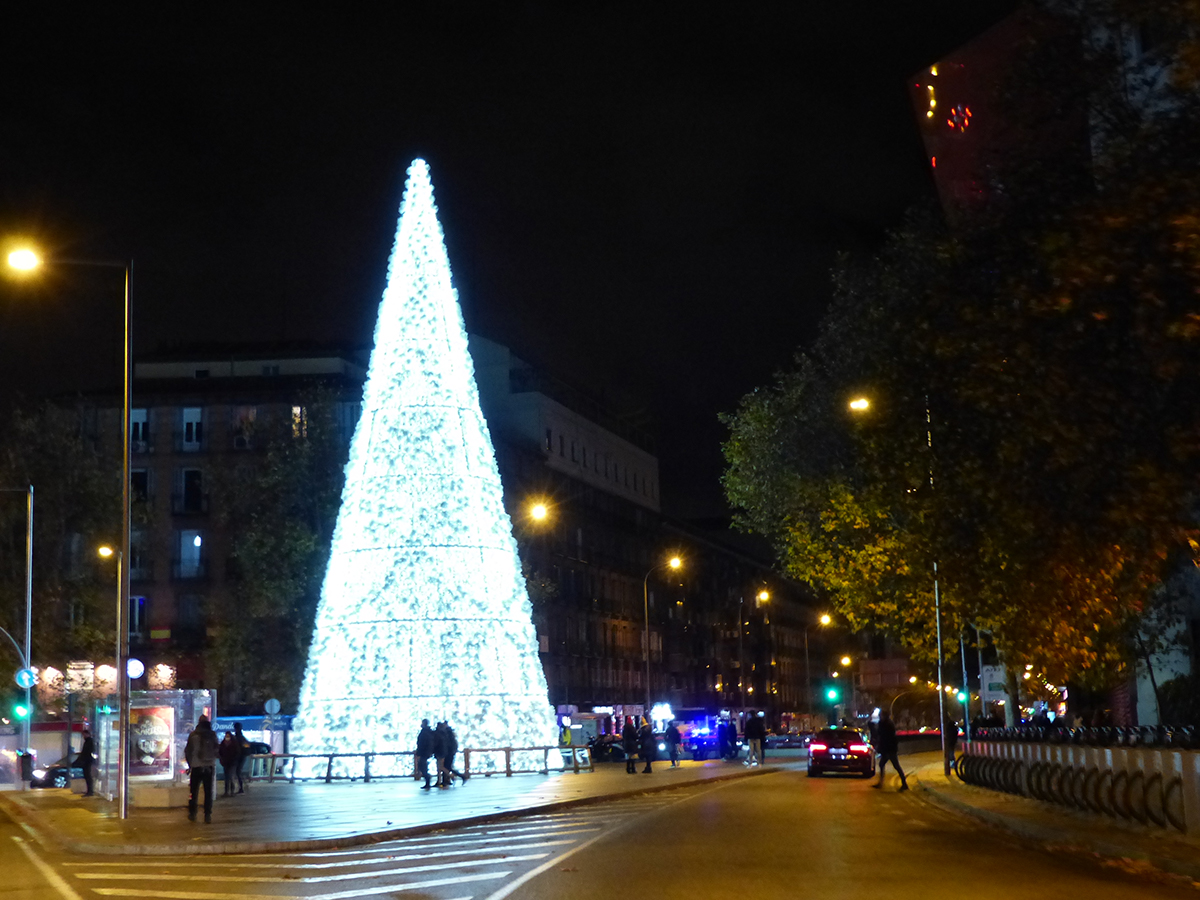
299 422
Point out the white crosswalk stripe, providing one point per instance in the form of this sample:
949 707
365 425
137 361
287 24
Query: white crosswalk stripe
450 865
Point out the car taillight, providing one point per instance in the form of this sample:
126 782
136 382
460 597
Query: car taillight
817 747
860 748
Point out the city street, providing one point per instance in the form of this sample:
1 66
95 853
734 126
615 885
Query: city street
780 835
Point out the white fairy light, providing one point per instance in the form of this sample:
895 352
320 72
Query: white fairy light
423 612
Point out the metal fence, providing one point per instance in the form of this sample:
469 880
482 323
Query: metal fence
508 761
1158 786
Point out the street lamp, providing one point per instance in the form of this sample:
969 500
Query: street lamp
673 563
107 552
538 512
860 405
823 620
25 259
760 598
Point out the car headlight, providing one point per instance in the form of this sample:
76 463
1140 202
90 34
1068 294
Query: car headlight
39 774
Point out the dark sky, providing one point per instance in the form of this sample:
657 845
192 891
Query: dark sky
646 204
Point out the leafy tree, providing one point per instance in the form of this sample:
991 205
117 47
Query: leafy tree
1033 375
280 504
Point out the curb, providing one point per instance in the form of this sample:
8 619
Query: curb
51 840
1060 837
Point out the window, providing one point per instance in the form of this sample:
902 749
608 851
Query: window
270 370
243 426
549 440
190 561
139 563
573 457
191 491
138 619
139 485
139 430
299 422
193 429
585 457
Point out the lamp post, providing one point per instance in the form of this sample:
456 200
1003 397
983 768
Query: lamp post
673 563
824 620
27 260
861 405
28 492
121 674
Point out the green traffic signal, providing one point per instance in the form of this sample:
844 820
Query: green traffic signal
20 711
962 697
832 694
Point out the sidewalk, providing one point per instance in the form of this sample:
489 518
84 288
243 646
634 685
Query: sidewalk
294 817
1126 844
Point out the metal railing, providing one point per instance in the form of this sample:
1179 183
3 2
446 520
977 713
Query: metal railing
1146 785
272 767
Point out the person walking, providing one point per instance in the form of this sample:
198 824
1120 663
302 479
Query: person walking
723 740
243 751
629 741
673 741
424 751
889 749
439 754
228 754
201 755
647 742
86 760
451 752
755 732
951 727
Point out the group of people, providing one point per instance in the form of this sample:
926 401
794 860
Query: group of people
202 753
640 742
439 745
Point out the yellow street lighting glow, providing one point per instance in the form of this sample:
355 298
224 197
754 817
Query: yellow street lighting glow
845 660
538 511
1027 675
675 562
1029 668
912 679
763 596
24 259
835 674
105 551
825 619
858 404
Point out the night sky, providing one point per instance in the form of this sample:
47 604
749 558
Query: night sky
645 204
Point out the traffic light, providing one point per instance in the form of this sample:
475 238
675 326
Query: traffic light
962 697
20 711
832 695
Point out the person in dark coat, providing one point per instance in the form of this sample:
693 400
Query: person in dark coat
723 740
424 751
201 755
646 742
228 754
244 752
755 733
439 755
889 749
451 752
629 741
674 739
86 760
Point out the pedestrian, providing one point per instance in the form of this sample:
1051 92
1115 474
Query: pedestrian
201 755
952 738
228 754
629 740
424 751
673 741
889 749
243 751
439 754
86 760
755 732
647 741
451 752
723 739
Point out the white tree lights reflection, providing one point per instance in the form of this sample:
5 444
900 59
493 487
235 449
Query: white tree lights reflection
423 612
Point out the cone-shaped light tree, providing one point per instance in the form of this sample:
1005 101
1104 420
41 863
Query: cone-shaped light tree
424 612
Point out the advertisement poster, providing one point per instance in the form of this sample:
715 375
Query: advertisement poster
151 739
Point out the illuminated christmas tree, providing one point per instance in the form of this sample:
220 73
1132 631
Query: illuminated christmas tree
424 611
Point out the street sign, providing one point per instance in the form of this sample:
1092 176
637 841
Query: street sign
25 678
272 707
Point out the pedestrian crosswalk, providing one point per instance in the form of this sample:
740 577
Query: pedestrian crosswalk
483 861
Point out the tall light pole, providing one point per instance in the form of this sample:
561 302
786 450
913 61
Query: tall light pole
861 405
27 260
824 620
122 673
28 492
760 598
673 563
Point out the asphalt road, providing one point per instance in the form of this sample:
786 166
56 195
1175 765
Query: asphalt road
780 835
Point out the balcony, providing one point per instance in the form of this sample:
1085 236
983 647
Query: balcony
189 570
189 503
198 444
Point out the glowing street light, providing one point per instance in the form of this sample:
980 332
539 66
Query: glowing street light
538 512
845 660
912 679
860 404
673 563
26 259
825 619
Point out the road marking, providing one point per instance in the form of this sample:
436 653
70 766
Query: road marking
328 865
56 881
339 895
312 879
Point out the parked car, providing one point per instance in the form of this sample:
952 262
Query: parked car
840 750
55 775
